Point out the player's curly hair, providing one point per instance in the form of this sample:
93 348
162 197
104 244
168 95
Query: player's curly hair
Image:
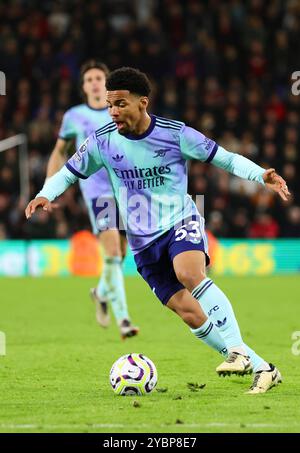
130 79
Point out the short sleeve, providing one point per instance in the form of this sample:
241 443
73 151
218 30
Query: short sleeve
195 145
67 130
87 160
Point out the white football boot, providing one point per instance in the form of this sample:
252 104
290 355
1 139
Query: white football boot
235 363
265 380
102 315
127 330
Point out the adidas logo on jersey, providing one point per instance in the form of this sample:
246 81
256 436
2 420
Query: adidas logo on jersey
117 158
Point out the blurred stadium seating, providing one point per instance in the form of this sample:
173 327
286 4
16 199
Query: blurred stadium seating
223 67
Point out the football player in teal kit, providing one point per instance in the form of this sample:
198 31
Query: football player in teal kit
78 123
145 157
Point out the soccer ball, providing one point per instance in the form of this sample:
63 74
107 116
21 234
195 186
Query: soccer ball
133 374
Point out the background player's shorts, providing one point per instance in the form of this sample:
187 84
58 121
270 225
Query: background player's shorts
104 215
155 263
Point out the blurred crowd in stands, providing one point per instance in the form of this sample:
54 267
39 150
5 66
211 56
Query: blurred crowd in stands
223 67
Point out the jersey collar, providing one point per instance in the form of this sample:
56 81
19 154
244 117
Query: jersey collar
145 134
97 110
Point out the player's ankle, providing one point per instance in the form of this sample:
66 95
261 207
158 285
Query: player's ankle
239 349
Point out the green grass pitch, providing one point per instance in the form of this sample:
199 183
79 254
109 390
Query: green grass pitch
54 377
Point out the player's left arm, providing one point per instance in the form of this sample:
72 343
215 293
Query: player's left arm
244 168
194 145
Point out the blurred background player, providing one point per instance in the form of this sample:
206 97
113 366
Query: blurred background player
78 122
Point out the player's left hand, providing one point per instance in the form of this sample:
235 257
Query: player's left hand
276 183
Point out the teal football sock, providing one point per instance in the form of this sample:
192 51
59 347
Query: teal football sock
209 334
257 362
219 310
112 284
101 289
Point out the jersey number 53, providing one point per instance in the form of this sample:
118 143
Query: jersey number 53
191 231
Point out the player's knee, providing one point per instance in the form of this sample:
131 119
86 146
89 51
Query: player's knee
112 249
190 278
111 244
113 252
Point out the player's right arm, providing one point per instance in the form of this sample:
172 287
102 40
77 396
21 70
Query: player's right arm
58 157
53 187
86 161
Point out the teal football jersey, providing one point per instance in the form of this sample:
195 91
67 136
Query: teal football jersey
148 173
78 123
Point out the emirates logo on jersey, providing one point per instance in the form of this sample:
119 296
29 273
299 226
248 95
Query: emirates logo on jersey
133 173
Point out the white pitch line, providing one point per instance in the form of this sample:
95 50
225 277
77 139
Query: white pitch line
11 426
143 425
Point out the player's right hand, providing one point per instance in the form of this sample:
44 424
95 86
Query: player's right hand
33 204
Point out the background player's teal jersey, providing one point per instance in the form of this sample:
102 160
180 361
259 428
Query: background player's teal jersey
148 174
78 123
